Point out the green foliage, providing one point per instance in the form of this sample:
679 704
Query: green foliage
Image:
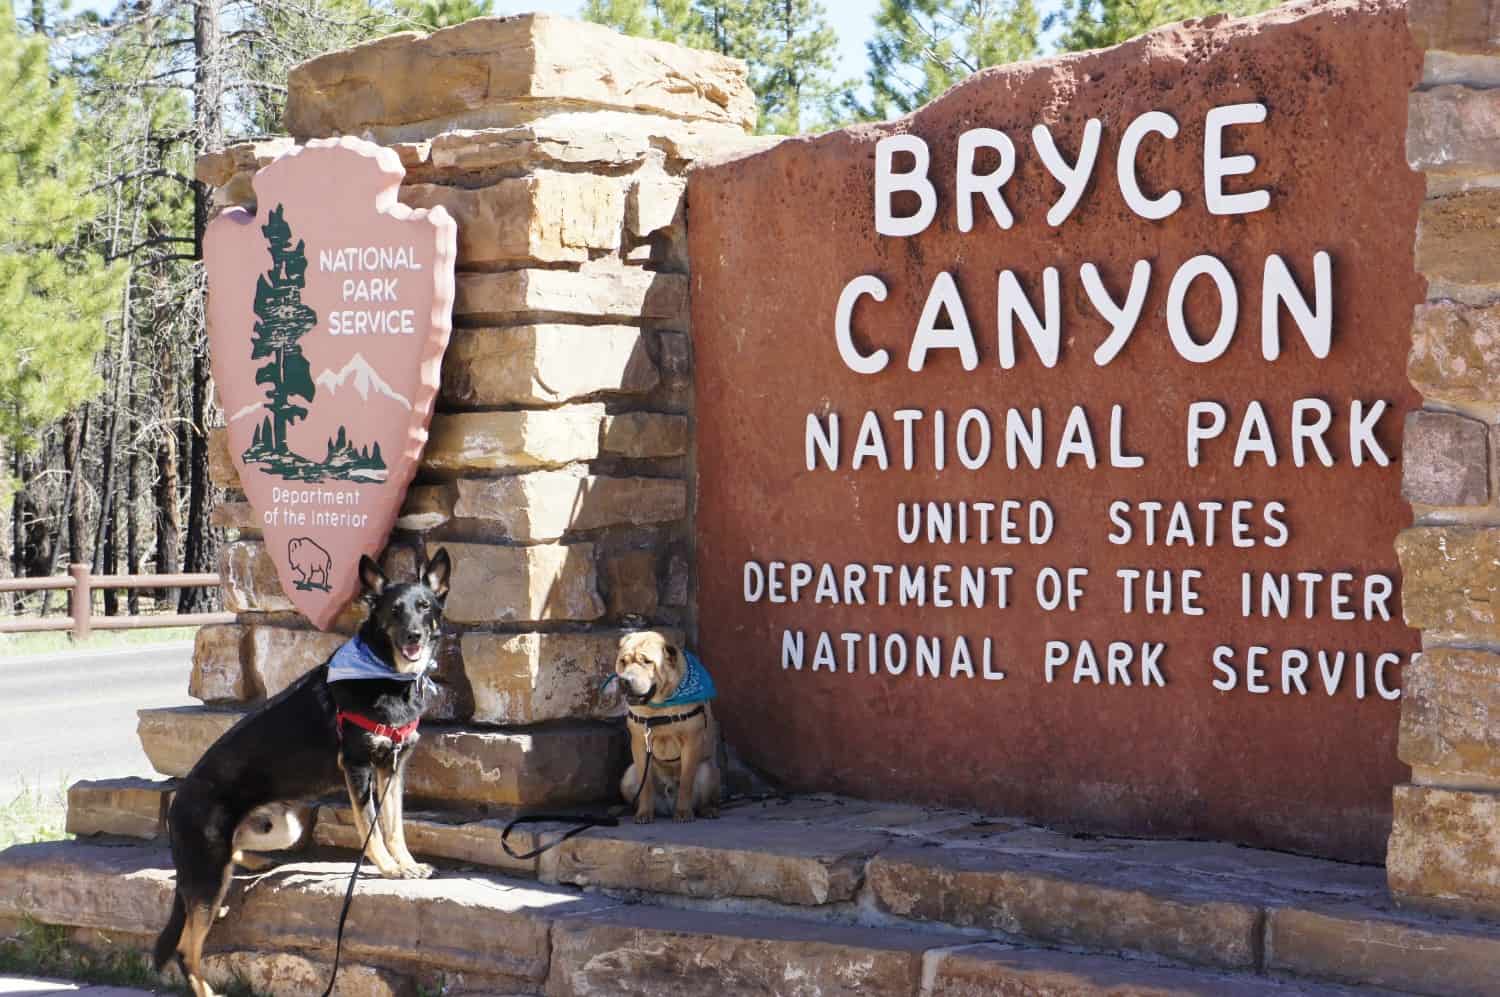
1099 23
282 321
55 288
430 15
788 45
923 47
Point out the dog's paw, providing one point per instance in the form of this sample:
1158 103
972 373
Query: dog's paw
711 813
684 816
645 818
417 870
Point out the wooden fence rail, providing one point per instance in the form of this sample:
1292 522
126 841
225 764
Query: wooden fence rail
81 583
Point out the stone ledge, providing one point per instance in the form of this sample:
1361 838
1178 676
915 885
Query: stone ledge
1455 234
477 924
1465 26
501 70
1367 948
544 766
1453 131
645 435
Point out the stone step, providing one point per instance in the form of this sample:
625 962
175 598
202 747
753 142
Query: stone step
553 765
826 860
482 933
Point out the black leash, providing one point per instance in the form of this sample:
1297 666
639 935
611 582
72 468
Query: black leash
581 822
359 863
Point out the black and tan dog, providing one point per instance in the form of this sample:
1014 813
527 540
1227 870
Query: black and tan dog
671 720
356 730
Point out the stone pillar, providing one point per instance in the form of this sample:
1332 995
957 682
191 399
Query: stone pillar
1445 846
558 466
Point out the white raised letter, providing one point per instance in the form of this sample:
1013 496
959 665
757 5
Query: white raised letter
888 182
988 184
860 363
1217 166
1152 209
1075 178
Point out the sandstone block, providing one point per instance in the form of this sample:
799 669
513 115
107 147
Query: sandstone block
218 675
501 70
216 168
632 583
1451 577
1440 68
547 217
426 508
175 738
1455 353
512 584
655 952
557 765
599 139
1455 25
606 293
438 836
1416 955
996 970
545 505
466 442
534 677
249 579
780 861
1450 699
655 202
1445 851
235 516
1445 460
134 808
1454 130
466 927
645 434
288 973
977 889
1455 246
545 364
221 469
279 656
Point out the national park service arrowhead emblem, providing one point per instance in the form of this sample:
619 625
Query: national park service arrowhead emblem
328 313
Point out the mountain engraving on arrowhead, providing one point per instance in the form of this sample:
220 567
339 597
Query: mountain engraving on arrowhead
329 312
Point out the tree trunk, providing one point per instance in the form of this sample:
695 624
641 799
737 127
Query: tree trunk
132 517
75 438
199 549
168 521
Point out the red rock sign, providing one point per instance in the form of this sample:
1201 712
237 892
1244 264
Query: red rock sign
1049 439
328 314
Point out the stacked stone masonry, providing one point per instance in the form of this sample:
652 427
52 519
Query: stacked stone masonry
1445 846
557 465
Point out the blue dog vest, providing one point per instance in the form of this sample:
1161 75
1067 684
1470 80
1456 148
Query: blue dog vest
697 686
355 660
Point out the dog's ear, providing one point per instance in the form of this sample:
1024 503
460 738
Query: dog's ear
671 651
370 576
435 574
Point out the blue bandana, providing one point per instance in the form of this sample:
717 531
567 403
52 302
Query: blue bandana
697 686
355 660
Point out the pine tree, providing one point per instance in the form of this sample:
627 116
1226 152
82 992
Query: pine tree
923 47
788 45
430 15
283 321
1090 24
55 290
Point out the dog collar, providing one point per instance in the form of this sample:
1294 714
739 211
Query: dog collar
661 720
399 735
354 660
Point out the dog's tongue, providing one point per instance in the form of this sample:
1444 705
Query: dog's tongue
411 651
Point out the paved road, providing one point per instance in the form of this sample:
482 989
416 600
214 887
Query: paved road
71 715
29 986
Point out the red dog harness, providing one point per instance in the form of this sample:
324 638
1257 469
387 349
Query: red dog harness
396 734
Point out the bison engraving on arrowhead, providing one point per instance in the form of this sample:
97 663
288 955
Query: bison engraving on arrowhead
329 309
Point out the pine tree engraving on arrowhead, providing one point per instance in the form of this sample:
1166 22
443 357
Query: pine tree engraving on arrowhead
329 313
